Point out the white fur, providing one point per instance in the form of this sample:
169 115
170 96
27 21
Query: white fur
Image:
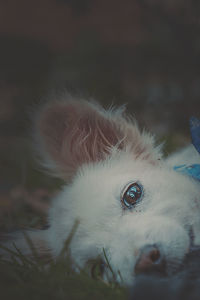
169 208
163 217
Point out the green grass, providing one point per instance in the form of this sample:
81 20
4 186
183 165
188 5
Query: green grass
38 278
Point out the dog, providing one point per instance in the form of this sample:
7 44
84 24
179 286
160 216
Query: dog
134 210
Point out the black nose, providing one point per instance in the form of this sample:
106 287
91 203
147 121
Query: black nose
151 260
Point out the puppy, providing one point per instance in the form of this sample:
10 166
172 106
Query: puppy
134 209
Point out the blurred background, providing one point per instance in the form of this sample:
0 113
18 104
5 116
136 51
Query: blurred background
145 53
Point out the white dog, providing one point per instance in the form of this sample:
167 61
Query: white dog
129 201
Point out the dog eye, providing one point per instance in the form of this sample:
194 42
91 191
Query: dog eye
132 195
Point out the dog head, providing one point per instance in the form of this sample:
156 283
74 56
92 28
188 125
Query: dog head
130 204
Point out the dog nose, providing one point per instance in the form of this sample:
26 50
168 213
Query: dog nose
151 260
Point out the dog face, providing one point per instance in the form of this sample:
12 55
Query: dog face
129 202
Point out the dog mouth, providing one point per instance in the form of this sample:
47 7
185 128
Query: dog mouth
170 266
189 258
100 266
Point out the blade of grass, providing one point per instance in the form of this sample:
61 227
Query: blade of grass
69 239
32 248
25 260
120 275
109 266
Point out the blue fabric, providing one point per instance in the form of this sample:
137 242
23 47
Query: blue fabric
192 170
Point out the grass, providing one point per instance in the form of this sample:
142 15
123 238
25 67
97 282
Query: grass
38 278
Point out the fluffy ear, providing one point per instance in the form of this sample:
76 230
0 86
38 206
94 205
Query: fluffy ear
74 132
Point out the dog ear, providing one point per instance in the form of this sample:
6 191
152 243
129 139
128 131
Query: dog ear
72 133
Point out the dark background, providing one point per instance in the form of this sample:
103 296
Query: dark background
145 53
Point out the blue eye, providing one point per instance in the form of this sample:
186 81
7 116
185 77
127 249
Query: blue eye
132 195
